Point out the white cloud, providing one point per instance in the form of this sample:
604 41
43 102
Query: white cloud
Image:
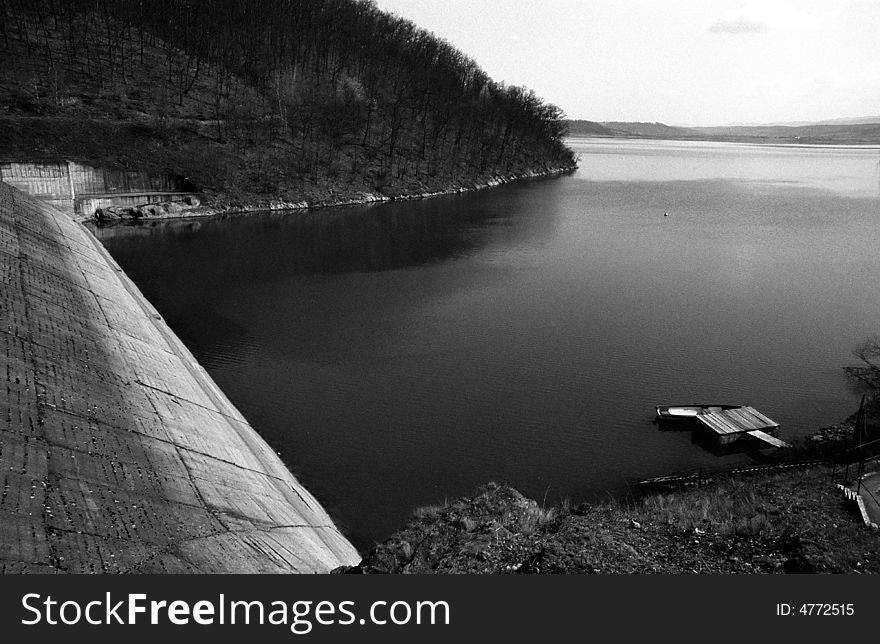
739 26
759 17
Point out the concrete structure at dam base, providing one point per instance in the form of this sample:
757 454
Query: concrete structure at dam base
118 453
78 189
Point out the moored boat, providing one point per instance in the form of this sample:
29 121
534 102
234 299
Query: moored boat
672 412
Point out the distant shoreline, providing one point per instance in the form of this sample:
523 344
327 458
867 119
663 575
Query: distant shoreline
778 144
839 134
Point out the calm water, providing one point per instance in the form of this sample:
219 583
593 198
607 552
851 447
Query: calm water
402 354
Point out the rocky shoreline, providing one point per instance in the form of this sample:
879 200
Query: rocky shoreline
192 207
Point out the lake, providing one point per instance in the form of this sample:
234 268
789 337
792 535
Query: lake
402 354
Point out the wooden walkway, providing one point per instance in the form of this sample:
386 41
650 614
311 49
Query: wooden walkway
870 493
866 495
767 438
703 477
118 453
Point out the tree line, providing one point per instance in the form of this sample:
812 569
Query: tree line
330 74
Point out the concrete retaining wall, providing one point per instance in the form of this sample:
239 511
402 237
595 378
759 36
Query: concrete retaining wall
80 189
46 181
118 453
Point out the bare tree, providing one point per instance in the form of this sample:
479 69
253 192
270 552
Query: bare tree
867 373
340 83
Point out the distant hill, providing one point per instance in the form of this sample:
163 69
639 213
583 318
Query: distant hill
649 130
857 120
588 128
850 120
627 129
861 120
847 131
841 134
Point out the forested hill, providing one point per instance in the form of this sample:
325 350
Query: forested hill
286 99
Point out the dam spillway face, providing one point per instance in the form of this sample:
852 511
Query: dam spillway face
118 453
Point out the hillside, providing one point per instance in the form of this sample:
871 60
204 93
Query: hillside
310 100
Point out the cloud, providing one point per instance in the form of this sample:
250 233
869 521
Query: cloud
766 15
739 26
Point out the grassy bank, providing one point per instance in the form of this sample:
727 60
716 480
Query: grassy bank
785 522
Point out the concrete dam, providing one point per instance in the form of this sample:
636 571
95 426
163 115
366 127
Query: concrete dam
118 452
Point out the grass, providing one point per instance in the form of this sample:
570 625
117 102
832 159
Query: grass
792 521
740 513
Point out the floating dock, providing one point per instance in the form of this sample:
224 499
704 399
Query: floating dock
724 424
729 425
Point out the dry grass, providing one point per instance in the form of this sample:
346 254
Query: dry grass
533 518
731 510
795 521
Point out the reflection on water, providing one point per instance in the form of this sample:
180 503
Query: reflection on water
313 242
397 355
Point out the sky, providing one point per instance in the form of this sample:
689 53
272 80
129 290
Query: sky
680 62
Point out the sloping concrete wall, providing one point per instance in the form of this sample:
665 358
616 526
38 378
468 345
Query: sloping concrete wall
118 453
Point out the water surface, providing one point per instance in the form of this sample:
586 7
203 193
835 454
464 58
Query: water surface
402 354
